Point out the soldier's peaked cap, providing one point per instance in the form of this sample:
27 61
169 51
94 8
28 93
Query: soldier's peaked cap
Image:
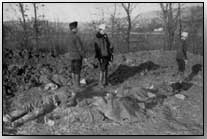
73 25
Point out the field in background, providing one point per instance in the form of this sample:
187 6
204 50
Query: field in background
57 42
52 36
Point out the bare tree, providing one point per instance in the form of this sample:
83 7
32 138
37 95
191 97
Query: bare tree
99 13
113 20
102 15
171 21
180 19
22 9
196 29
35 24
128 7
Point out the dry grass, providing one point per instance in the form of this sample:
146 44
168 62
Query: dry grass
174 116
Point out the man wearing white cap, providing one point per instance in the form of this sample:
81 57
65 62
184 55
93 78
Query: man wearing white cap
181 56
103 52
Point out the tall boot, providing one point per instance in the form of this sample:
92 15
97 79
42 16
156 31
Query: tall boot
105 78
72 99
101 79
77 81
73 79
182 76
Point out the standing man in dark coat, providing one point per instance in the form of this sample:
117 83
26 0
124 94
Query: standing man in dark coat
76 53
103 53
181 56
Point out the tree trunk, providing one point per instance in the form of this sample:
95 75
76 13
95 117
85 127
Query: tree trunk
170 23
170 40
113 21
128 32
128 10
170 27
36 26
180 21
25 37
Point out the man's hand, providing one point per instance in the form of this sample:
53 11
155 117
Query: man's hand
111 53
88 63
85 60
186 61
96 61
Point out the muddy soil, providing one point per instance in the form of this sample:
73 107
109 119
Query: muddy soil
172 116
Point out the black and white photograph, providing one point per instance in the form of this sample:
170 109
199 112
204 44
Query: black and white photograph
102 68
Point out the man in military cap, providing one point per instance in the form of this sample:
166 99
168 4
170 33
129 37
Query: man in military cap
76 53
103 52
181 56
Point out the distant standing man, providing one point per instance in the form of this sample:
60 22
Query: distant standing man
76 52
103 52
181 56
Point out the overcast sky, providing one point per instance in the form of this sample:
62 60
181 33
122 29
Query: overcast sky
83 12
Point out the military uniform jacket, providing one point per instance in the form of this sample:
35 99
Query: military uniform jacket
102 46
181 50
75 47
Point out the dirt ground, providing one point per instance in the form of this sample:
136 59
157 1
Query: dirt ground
174 116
